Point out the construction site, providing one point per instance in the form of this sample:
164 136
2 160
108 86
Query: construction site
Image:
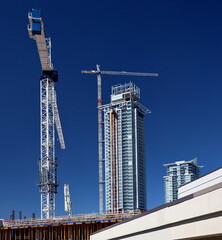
121 201
105 108
60 228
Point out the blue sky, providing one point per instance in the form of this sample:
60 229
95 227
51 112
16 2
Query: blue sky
180 40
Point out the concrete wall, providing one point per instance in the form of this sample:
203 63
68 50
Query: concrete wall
206 181
198 215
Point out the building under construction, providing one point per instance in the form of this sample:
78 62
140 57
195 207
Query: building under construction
125 170
78 227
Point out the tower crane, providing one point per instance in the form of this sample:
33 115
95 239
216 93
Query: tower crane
98 72
49 117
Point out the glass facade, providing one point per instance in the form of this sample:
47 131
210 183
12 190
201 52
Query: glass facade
178 174
125 170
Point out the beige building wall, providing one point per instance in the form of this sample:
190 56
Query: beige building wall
196 216
199 184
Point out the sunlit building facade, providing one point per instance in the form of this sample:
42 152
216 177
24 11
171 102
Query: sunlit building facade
178 174
125 166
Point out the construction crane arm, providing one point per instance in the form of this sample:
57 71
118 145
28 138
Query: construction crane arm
129 73
58 123
37 32
121 73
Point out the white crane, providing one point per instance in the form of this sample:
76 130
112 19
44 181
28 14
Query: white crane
98 72
68 203
49 117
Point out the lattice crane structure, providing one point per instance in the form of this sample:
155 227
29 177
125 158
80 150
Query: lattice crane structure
98 72
67 199
49 117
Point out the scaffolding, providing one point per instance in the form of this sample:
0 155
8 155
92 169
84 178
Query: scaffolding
126 88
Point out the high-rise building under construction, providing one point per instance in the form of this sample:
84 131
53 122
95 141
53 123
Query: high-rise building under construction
125 166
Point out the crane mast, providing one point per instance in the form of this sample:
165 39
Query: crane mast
49 117
101 159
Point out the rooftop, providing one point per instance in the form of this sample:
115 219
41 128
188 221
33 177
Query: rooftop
126 88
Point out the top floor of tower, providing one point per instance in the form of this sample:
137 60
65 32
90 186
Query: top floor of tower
183 168
125 92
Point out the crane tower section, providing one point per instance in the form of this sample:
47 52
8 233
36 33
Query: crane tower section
49 117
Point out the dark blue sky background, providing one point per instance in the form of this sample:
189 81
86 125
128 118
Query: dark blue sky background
181 40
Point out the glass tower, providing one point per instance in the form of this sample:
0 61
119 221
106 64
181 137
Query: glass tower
179 173
125 170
